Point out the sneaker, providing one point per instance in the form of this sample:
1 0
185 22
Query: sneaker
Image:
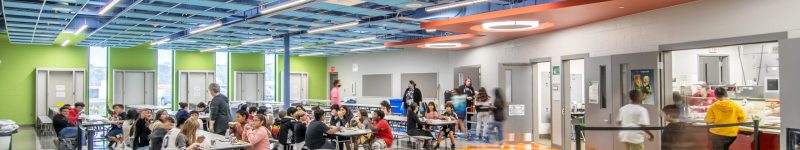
452 146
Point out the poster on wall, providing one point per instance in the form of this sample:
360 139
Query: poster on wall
642 81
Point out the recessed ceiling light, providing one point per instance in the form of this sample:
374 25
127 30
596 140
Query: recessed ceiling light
413 5
621 7
510 25
443 45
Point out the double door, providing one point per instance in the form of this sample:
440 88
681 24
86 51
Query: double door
58 87
609 80
193 86
134 87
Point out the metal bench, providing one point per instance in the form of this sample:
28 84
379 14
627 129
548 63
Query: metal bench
424 139
45 125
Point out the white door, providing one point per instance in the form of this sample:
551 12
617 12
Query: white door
133 88
299 86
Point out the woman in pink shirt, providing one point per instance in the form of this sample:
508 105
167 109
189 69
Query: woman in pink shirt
335 93
257 133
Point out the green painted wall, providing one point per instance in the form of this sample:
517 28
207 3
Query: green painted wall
17 65
134 58
189 60
316 67
247 62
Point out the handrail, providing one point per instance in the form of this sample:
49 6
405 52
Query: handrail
579 128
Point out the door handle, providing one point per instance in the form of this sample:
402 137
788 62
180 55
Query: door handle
610 115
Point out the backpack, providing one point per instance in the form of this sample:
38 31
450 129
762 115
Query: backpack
286 132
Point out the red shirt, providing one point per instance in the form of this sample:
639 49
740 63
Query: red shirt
73 116
384 132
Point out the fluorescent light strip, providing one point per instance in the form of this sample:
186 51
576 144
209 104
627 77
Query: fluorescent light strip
313 54
209 27
109 6
335 27
355 40
291 49
257 41
213 49
64 43
454 5
368 48
283 6
80 29
161 41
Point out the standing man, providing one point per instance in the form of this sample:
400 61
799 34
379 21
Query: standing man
220 115
335 93
412 94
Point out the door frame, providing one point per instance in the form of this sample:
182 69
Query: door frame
534 63
566 134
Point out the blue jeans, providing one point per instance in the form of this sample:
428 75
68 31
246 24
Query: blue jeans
499 126
70 132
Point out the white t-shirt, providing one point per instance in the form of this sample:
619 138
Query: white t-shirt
633 115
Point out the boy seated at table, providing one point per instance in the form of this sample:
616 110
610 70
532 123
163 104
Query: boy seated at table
157 137
316 130
287 128
62 126
194 115
448 130
183 113
75 113
362 121
382 132
117 118
300 129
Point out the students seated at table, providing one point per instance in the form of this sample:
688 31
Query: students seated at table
241 123
300 129
183 113
161 116
430 111
117 119
286 129
157 137
202 108
253 111
62 126
414 126
188 139
75 113
276 127
127 128
262 110
383 132
340 116
142 130
386 107
257 133
315 138
448 130
362 121
303 109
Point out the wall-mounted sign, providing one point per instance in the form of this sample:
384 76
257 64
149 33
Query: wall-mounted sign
355 67
556 70
516 110
594 92
333 69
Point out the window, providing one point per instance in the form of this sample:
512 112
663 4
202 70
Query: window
221 72
165 64
269 77
98 80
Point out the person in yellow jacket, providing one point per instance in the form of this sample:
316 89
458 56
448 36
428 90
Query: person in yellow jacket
724 111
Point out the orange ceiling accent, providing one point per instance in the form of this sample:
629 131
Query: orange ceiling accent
553 16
